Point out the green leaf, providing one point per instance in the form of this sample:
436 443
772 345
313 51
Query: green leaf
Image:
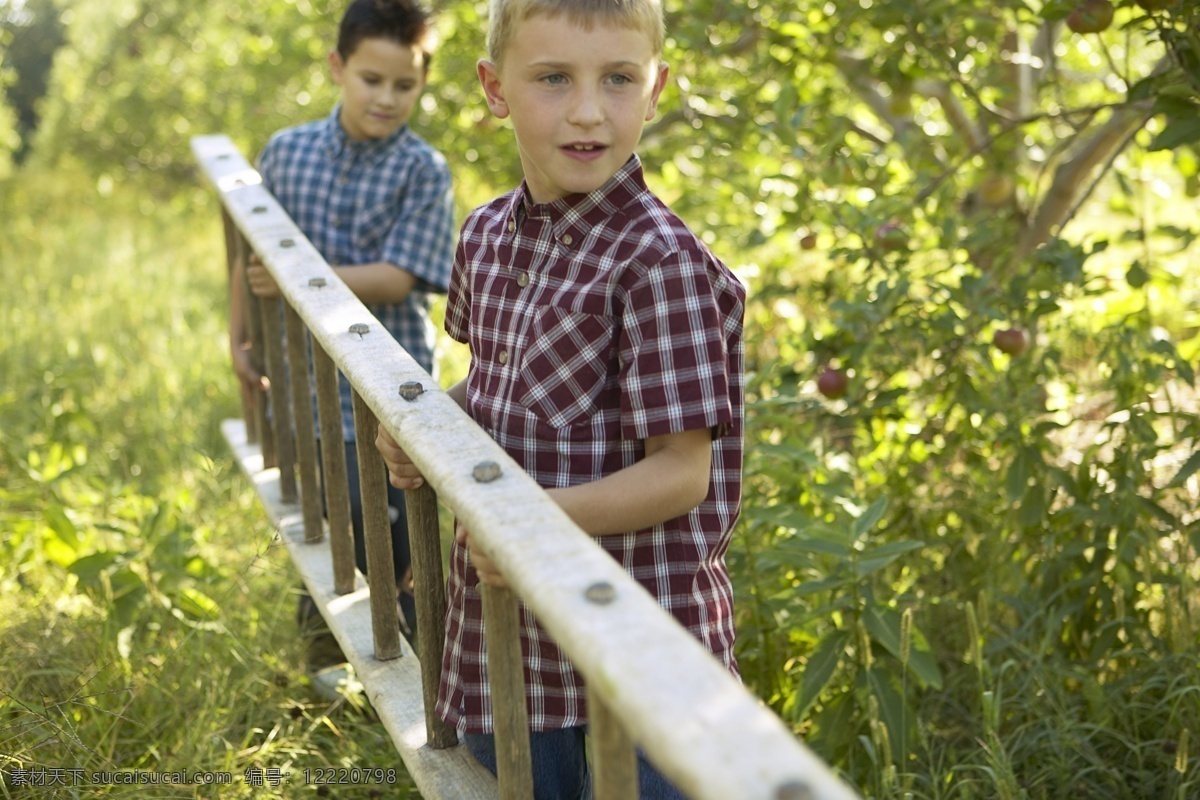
1144 89
125 581
1178 132
884 626
58 521
779 556
822 613
893 711
1033 506
1142 429
805 526
129 593
870 518
834 724
89 567
921 662
1017 480
1174 100
1137 276
893 548
1184 368
877 558
866 566
198 604
820 668
1158 512
818 546
812 587
1187 470
1163 346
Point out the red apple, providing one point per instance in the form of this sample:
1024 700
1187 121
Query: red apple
1091 16
833 383
1013 341
891 236
808 242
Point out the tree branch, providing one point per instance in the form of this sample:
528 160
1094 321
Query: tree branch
1062 198
857 72
683 112
952 107
1009 127
661 125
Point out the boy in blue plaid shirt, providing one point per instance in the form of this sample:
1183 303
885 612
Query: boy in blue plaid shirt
376 201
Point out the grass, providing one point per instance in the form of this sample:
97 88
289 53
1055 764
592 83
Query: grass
148 611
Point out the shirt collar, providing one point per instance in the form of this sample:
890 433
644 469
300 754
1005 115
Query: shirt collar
571 217
338 144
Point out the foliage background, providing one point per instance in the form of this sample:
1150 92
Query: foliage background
972 576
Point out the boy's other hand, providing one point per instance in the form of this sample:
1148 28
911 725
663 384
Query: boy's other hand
402 472
484 568
251 379
261 282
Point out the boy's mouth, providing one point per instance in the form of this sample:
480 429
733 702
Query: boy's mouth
584 150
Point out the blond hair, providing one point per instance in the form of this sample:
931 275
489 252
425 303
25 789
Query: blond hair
503 15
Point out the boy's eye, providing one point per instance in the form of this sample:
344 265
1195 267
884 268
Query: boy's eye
557 79
621 80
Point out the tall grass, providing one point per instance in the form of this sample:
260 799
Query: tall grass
146 608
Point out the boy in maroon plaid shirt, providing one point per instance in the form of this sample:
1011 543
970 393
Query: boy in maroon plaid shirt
606 358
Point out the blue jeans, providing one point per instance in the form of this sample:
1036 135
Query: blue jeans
560 769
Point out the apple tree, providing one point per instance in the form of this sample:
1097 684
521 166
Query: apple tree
137 79
998 196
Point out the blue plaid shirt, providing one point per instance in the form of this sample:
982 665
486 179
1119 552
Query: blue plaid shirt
385 200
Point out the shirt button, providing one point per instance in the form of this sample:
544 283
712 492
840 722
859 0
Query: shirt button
568 239
523 279
503 356
512 225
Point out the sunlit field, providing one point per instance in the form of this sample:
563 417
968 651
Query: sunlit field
148 612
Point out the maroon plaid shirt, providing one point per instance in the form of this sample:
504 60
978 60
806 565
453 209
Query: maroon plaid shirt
595 322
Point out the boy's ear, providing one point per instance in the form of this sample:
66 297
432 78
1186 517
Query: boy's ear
489 77
660 83
336 65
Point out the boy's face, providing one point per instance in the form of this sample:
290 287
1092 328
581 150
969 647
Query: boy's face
381 81
578 100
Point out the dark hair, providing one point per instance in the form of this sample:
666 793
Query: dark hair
405 22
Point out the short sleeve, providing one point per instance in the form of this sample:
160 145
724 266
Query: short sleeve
267 165
458 299
421 241
674 362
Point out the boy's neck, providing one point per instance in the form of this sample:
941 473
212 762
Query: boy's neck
625 181
368 140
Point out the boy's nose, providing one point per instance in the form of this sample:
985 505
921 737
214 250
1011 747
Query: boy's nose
587 110
389 98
